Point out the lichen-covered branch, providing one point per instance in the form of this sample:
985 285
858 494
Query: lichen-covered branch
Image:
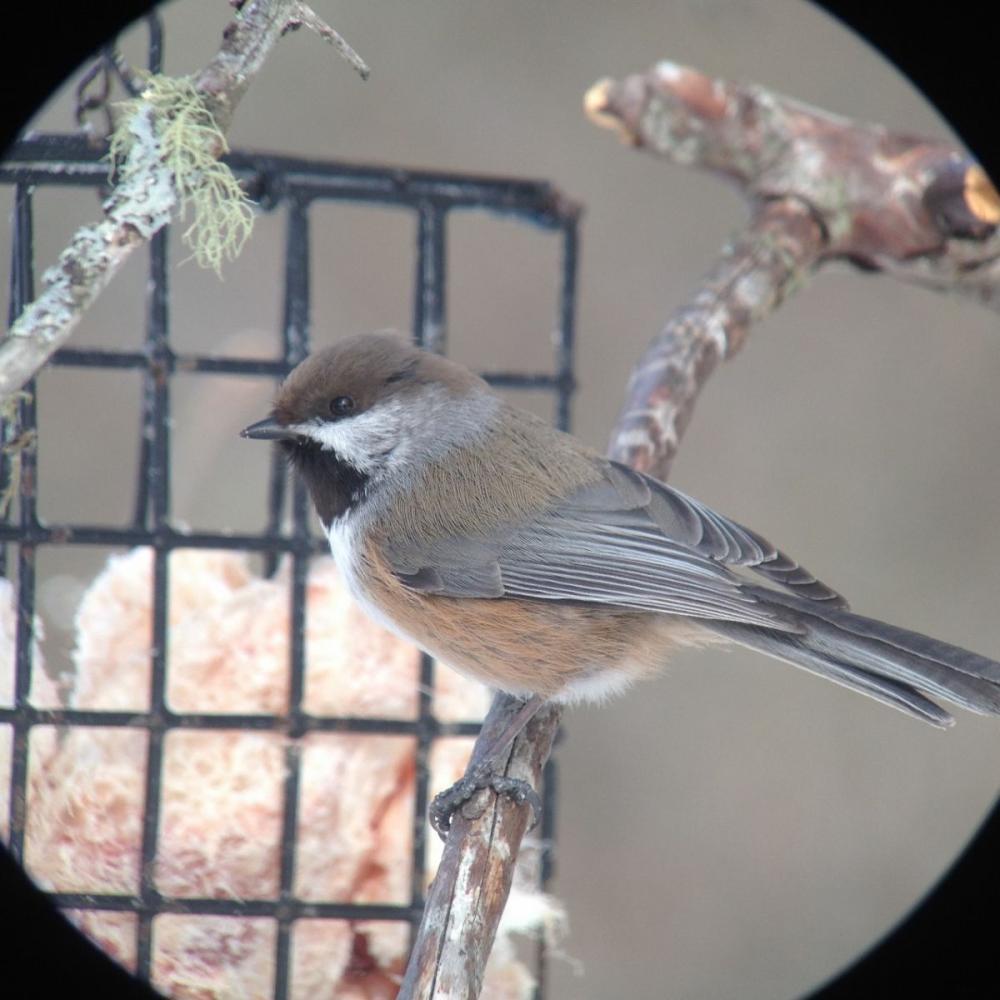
819 187
147 197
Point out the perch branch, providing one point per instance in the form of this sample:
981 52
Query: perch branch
819 187
474 876
140 207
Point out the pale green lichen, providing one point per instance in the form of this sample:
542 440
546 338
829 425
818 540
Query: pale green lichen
189 144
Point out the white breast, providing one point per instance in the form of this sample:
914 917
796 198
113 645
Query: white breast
344 537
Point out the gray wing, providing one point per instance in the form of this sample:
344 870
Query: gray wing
685 519
625 540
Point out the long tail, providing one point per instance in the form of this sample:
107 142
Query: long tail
895 666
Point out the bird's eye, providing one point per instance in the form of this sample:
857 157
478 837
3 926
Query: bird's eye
342 406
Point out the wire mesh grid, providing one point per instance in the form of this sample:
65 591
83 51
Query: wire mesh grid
292 186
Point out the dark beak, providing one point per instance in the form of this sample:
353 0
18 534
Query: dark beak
268 430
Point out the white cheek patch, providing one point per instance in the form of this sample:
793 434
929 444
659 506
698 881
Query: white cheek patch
396 431
365 440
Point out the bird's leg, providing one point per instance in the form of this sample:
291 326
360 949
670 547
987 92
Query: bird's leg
503 724
506 718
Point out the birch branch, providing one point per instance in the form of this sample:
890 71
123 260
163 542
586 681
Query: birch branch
145 202
819 187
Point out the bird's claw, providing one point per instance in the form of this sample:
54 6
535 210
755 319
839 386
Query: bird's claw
445 804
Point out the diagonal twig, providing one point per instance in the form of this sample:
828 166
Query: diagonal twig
819 187
303 14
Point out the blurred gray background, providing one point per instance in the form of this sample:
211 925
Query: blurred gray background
735 828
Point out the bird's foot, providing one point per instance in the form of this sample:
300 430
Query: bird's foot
447 803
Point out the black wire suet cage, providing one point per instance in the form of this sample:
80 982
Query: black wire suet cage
291 186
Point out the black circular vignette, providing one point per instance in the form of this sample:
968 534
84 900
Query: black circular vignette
949 54
947 945
44 45
944 946
43 956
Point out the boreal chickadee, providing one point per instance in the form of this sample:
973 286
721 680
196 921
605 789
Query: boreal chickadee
515 554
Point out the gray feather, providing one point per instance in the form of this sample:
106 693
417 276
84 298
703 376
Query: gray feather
797 652
467 581
630 565
631 542
835 638
878 634
623 540
600 546
691 522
